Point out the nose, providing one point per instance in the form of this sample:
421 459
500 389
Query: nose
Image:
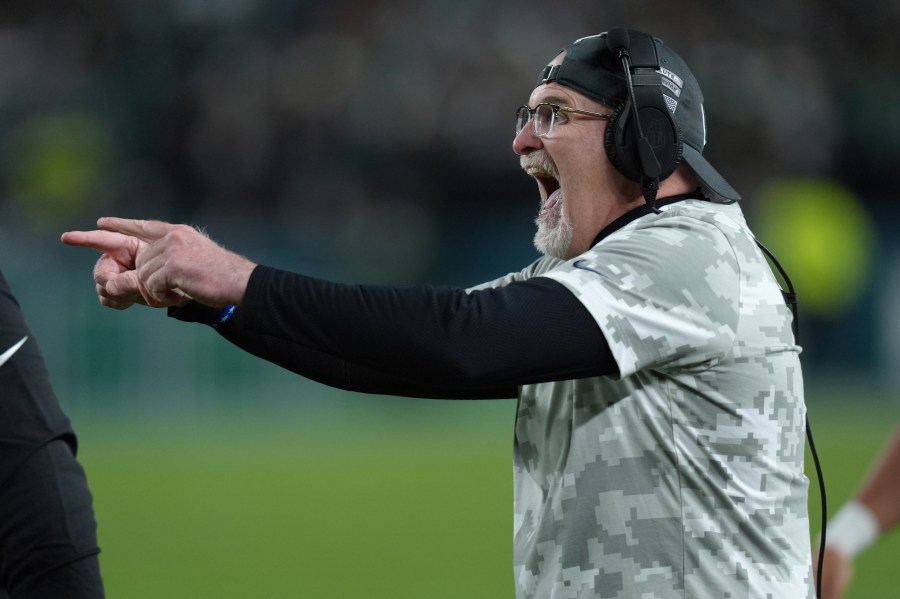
526 141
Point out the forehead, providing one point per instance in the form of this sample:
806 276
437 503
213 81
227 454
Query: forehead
554 93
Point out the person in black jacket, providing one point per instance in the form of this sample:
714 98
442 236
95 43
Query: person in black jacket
48 532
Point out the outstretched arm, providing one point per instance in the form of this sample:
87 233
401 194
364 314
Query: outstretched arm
422 340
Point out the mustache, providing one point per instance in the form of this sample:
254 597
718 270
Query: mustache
540 162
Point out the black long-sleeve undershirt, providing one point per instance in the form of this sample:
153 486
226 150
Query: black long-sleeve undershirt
418 341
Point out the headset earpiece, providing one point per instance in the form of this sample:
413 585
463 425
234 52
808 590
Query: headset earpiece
662 132
643 139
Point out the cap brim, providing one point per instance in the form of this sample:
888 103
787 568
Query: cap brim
709 177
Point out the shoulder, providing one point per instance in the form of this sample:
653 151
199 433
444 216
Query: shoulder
703 220
540 266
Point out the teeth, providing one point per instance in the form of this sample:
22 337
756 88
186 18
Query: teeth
540 173
544 178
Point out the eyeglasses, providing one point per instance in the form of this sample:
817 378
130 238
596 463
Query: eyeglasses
545 115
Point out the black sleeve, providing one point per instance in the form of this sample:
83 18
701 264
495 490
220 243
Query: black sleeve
418 340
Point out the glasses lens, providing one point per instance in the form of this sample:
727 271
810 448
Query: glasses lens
522 116
543 119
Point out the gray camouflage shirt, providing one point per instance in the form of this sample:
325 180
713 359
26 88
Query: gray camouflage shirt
683 477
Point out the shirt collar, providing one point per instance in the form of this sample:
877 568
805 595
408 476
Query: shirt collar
642 210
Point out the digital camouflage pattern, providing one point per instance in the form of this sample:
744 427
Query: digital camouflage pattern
683 477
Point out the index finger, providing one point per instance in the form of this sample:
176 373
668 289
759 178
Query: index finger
145 230
117 245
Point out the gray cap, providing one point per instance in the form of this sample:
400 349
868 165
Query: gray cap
590 68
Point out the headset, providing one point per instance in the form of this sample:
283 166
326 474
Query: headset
643 139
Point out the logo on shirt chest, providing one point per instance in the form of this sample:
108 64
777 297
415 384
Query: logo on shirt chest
583 265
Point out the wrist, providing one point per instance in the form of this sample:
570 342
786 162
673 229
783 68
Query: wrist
852 529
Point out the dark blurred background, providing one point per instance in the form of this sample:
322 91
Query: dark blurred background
370 141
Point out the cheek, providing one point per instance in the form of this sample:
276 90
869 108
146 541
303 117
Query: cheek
588 169
592 153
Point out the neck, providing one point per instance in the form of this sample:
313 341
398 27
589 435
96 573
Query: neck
680 182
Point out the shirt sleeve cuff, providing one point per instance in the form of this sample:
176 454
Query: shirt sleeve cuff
195 312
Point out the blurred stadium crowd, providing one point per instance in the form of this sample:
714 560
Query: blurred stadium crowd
370 139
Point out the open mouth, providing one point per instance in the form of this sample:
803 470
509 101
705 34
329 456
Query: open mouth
549 186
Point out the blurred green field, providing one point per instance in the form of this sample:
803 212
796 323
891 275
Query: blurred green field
364 503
